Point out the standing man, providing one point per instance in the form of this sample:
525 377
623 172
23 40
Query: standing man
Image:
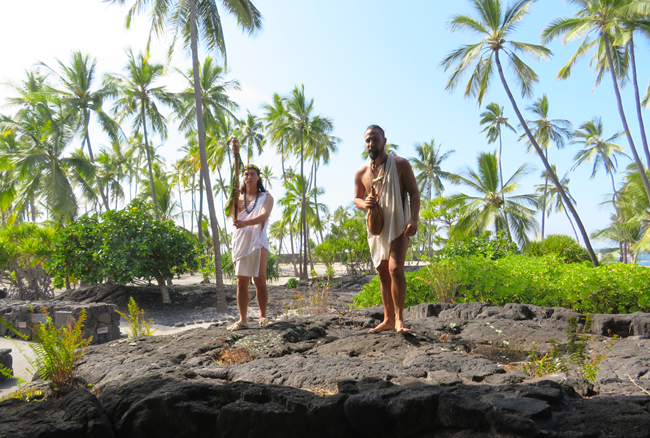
394 177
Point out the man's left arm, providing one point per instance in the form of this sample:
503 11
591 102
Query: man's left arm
411 187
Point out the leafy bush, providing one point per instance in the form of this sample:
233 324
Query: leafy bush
24 250
543 281
565 247
417 291
348 244
57 351
292 283
137 324
493 248
123 245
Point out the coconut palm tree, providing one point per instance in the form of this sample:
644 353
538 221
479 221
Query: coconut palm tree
189 19
137 97
602 19
551 201
491 208
427 165
492 118
266 173
547 132
251 135
78 95
495 25
42 133
599 151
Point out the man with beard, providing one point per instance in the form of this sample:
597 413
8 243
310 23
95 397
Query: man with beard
395 179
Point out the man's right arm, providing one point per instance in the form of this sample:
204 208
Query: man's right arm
359 191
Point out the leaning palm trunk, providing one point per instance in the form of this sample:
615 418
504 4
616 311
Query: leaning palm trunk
637 101
628 134
149 165
222 305
549 170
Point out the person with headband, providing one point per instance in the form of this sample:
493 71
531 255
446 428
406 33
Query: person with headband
250 245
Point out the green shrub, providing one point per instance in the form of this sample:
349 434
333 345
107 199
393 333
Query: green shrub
417 291
484 245
138 326
292 283
348 244
57 351
123 245
565 247
544 281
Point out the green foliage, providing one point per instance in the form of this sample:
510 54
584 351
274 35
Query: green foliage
272 269
543 281
292 283
573 358
122 245
24 250
57 351
565 247
137 324
347 243
417 291
493 248
442 281
330 272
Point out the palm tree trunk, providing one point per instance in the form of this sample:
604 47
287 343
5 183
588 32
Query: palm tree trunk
223 210
637 100
544 204
618 218
303 214
621 112
293 252
199 220
571 223
180 200
193 204
149 159
547 166
92 160
320 231
222 305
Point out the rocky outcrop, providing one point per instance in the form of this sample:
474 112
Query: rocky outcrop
455 375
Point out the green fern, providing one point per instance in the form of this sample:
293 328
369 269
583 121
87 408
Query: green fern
138 326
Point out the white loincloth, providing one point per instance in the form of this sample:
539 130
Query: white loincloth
396 213
247 242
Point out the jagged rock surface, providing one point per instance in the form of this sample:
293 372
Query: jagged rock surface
326 376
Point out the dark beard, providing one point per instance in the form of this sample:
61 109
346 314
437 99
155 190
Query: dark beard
374 154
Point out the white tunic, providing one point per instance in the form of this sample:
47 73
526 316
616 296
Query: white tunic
248 241
396 213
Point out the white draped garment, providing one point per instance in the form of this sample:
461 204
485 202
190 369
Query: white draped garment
396 213
248 241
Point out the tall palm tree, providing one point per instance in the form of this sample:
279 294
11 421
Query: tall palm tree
251 135
491 208
602 18
42 133
495 25
184 17
305 131
266 173
547 132
601 152
427 165
492 118
551 201
137 97
78 79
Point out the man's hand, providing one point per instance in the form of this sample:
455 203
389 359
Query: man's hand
370 202
411 228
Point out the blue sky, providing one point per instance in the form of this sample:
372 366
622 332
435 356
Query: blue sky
364 62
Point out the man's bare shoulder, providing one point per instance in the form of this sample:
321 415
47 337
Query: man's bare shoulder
362 170
402 163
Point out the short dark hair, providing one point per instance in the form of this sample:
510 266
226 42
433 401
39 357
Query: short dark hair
378 128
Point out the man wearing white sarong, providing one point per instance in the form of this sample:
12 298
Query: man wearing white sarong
395 179
250 245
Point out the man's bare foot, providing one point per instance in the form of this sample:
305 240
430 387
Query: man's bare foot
399 328
383 327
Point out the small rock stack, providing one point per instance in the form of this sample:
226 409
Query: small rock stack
102 321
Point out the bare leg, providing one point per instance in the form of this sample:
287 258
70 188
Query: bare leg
242 298
393 287
261 291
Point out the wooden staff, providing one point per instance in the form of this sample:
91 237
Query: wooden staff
235 153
